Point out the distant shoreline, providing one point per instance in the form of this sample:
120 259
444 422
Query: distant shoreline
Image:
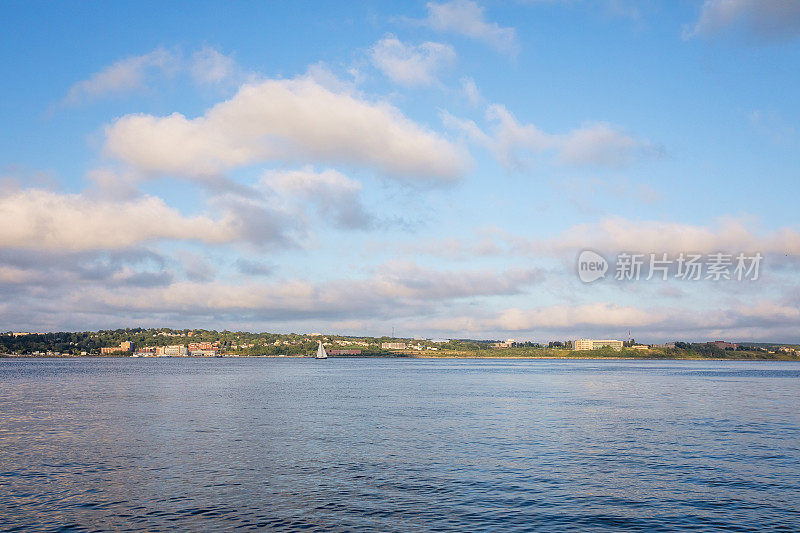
431 357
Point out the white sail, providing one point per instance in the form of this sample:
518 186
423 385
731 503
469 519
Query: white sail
321 353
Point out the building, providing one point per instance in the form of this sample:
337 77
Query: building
594 344
724 345
344 352
176 350
393 346
508 344
194 346
639 347
124 346
203 353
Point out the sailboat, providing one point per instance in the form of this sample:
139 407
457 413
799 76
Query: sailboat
321 353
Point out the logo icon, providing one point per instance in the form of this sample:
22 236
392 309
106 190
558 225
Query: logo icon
591 266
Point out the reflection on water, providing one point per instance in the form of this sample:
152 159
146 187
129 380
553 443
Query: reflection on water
153 444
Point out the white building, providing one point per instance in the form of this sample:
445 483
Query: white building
176 350
593 344
508 344
203 353
393 346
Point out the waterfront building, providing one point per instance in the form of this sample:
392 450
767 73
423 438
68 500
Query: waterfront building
593 344
203 353
507 344
393 346
176 350
124 346
194 346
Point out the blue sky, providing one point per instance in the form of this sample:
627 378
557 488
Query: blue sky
435 167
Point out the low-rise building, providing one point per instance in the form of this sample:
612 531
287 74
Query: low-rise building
393 346
176 350
124 346
594 344
507 344
127 346
203 353
194 346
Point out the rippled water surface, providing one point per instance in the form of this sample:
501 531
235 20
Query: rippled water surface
410 445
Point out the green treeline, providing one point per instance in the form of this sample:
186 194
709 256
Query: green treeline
246 343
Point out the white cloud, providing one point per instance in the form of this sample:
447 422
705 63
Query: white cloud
509 135
594 144
122 76
40 219
470 91
210 66
755 320
613 235
600 144
466 17
765 20
206 66
556 317
411 65
334 194
296 119
728 235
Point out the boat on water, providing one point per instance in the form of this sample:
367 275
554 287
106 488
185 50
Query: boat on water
321 353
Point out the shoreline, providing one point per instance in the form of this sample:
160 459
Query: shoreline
426 357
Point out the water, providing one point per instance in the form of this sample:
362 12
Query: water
398 445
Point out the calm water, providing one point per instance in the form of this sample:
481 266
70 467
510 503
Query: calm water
411 445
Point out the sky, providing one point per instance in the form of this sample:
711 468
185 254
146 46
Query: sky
433 168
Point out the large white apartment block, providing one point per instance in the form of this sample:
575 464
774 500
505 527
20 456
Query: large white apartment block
178 350
393 346
593 344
